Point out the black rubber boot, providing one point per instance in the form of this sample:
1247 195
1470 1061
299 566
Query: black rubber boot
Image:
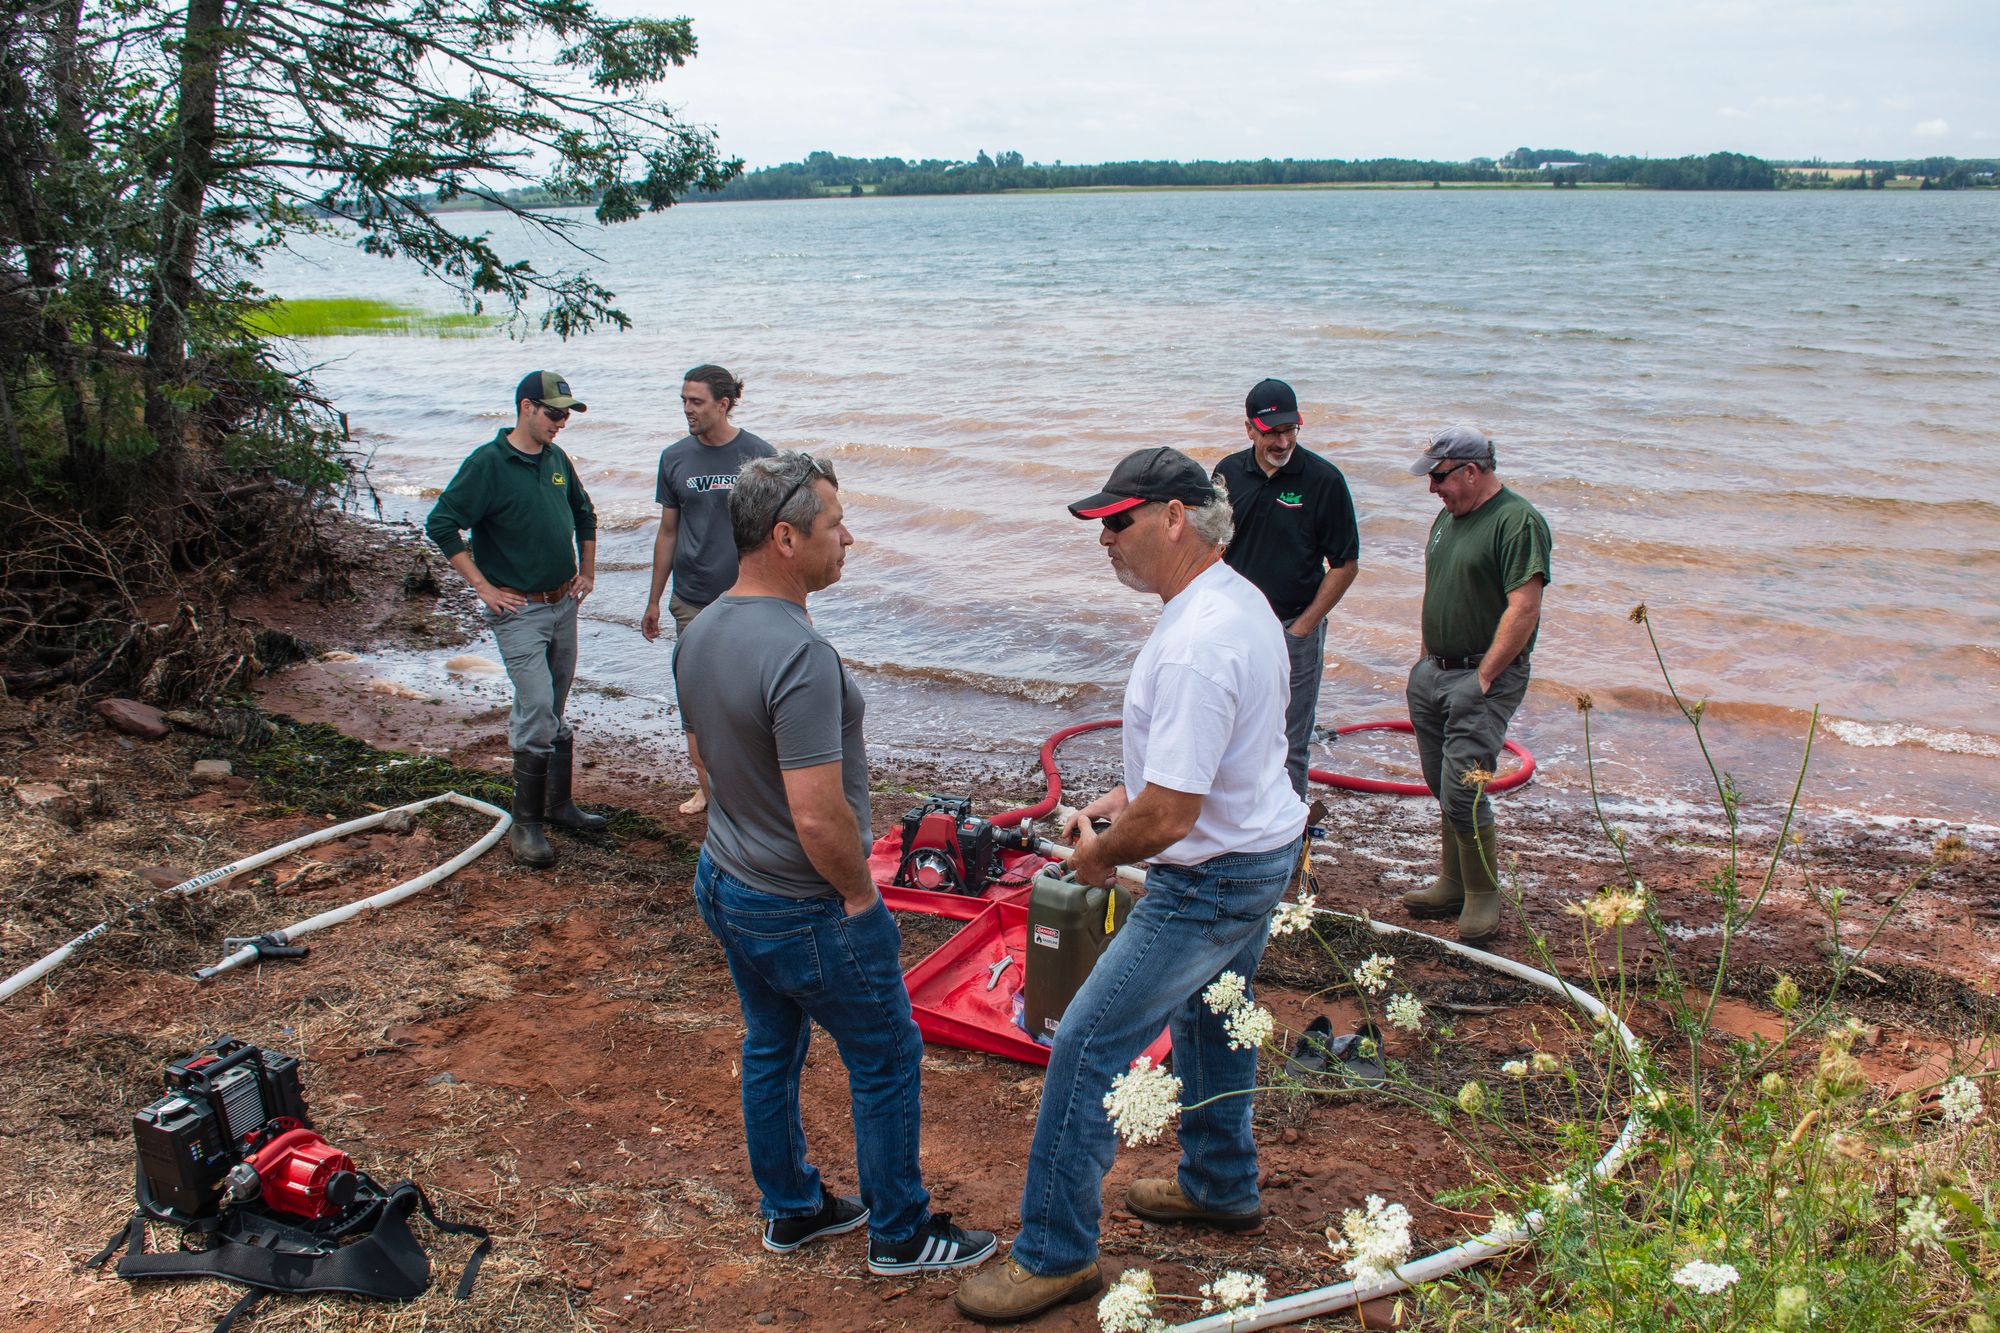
562 809
531 788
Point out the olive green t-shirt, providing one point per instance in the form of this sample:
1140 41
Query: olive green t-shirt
1472 563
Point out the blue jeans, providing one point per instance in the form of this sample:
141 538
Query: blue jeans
1193 924
800 961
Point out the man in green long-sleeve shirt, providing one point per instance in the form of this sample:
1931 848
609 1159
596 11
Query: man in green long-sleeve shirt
532 560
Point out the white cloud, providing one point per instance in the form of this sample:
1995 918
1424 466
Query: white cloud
1732 113
1932 129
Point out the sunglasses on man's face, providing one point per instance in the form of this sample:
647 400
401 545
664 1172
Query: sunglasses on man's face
555 414
1437 477
1124 518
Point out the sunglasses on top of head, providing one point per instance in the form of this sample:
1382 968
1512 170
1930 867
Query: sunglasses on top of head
812 470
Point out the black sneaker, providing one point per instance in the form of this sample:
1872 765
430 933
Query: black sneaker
938 1245
836 1214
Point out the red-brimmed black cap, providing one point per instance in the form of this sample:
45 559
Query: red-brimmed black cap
1151 474
1272 405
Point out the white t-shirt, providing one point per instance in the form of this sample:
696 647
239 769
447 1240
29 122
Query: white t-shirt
1205 714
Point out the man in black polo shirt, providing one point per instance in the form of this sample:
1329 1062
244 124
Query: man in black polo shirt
1296 540
533 559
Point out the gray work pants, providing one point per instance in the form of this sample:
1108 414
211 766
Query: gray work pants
1460 728
538 645
1308 665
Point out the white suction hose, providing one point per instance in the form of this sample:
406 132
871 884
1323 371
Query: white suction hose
1343 1295
35 971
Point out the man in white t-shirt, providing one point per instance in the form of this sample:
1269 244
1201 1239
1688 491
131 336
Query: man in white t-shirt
1207 803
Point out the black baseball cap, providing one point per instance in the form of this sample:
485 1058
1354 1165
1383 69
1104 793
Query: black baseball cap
548 388
1272 404
1151 474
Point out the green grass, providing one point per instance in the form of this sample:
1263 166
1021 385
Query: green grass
353 314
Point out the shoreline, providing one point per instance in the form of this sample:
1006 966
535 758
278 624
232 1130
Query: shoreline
551 1053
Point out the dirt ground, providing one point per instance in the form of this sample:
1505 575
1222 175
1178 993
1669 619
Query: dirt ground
553 1054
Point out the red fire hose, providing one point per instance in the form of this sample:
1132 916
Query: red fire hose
1378 786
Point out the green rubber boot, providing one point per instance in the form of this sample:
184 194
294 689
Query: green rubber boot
1445 894
1479 863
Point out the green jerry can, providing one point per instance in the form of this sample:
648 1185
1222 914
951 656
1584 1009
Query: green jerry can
1066 933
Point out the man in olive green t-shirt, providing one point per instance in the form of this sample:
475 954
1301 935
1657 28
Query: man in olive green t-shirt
1485 565
532 560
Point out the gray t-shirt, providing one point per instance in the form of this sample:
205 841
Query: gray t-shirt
696 479
766 693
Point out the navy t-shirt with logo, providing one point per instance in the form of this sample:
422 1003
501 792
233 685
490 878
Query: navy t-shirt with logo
1289 526
696 479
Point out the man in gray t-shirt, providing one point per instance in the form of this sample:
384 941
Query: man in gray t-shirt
782 881
694 545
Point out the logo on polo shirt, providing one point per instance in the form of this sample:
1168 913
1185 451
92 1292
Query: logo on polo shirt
555 479
1291 499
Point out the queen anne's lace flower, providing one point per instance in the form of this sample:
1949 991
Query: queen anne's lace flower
1561 1193
1960 1101
1128 1306
1502 1223
1613 906
1143 1101
1472 1098
1705 1277
1921 1224
1224 993
1379 1239
1406 1012
1515 1069
1235 1293
1373 974
1544 1063
1290 918
1249 1026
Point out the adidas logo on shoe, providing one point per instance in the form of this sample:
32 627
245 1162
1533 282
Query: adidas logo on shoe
938 1245
836 1214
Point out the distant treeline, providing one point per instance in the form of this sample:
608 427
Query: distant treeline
825 174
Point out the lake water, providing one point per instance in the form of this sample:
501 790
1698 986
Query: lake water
1773 418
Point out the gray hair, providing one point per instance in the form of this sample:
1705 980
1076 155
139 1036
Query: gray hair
770 491
1214 522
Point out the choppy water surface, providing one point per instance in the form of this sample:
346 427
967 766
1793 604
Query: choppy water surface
1775 419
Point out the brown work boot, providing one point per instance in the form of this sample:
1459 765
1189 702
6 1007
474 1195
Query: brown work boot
1445 894
1162 1201
1479 863
1010 1293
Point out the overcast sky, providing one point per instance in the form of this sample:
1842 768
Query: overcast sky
1093 81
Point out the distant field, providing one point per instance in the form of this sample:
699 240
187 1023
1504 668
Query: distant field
1832 173
360 315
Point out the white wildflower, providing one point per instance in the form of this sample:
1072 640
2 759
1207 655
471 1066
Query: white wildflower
1562 1193
1143 1101
1705 1277
1379 1237
1249 1027
1503 1223
1225 993
1290 918
1515 1069
1472 1097
1613 906
1373 974
1544 1063
1960 1101
1128 1306
1921 1224
1406 1012
1657 1102
1235 1293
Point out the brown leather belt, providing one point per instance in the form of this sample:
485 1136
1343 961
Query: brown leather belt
549 598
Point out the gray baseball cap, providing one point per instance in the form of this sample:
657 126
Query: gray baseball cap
1450 443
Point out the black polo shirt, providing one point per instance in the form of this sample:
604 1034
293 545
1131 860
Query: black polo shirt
1289 526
